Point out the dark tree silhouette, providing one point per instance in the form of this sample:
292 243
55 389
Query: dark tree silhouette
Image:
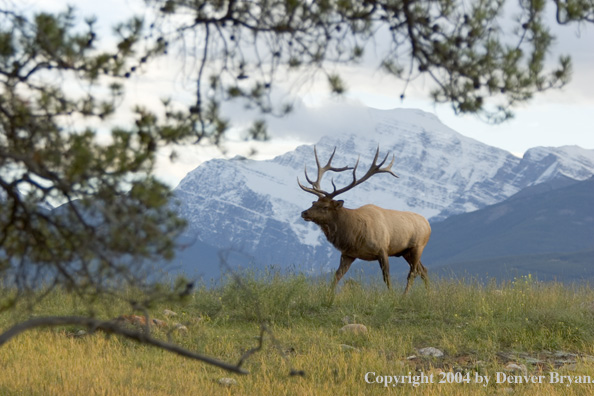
241 49
58 87
115 218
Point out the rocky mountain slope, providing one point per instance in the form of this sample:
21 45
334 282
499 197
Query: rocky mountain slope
254 206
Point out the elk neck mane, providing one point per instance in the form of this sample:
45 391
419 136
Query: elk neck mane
343 233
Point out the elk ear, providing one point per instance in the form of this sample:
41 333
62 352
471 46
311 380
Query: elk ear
338 204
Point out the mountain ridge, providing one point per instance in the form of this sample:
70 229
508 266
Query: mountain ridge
556 220
254 206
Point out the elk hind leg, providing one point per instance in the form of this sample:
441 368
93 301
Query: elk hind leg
423 272
413 257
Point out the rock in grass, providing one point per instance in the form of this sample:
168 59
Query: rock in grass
516 368
565 355
140 321
354 328
168 313
134 320
225 381
430 351
533 360
159 323
348 348
78 334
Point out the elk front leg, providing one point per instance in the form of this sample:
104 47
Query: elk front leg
345 264
385 266
409 279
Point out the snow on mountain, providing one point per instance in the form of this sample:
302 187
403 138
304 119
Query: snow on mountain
255 206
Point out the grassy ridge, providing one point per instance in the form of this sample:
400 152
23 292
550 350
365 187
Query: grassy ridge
479 328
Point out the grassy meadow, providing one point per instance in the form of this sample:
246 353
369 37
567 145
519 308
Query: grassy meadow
481 329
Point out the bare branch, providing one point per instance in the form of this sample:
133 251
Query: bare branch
111 327
264 329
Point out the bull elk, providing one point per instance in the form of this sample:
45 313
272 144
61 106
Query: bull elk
369 232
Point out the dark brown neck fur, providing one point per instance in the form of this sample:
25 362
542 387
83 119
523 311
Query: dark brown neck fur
336 231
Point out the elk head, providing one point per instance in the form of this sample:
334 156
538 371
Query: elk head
325 209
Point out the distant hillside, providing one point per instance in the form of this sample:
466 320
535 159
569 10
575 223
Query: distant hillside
254 206
546 229
561 267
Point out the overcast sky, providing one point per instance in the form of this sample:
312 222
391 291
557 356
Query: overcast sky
556 118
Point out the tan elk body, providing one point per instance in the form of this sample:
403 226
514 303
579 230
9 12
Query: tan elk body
369 232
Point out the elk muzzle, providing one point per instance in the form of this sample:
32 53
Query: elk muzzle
305 215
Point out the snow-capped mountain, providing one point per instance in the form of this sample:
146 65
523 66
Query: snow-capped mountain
255 206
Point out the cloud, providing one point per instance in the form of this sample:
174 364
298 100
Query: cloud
560 117
329 118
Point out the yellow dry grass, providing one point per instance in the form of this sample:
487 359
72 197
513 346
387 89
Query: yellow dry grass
471 325
50 363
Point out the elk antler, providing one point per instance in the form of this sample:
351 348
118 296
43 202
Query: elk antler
373 169
316 187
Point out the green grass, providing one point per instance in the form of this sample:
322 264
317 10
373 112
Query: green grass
474 324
